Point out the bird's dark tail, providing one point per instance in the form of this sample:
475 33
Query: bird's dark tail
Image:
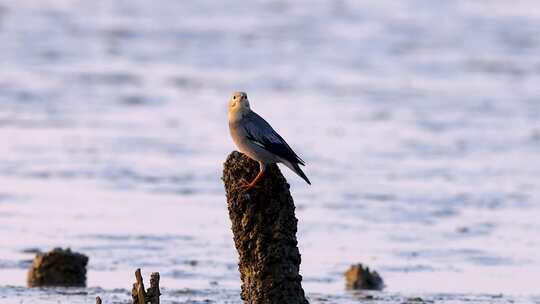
300 173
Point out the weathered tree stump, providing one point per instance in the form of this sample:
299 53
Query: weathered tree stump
151 295
360 277
58 267
264 228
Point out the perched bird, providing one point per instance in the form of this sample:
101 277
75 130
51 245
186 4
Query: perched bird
258 140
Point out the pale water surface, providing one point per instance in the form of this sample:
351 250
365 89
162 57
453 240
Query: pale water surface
419 121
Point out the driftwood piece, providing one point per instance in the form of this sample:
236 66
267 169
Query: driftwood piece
264 228
151 295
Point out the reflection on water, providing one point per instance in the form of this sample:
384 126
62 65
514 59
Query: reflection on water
419 121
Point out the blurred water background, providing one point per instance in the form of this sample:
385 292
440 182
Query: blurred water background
419 121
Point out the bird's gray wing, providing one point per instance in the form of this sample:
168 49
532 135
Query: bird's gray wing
262 134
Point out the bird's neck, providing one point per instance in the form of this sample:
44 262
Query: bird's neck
236 115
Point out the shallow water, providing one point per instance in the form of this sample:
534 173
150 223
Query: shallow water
419 121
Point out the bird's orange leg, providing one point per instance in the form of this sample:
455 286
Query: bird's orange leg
247 187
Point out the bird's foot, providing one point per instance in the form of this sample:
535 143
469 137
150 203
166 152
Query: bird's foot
245 186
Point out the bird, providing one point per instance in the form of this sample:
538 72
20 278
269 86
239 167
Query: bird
258 140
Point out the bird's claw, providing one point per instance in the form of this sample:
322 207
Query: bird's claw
245 186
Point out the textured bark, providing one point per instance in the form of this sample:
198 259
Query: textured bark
264 228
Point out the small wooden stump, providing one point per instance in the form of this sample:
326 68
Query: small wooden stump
151 295
153 292
360 277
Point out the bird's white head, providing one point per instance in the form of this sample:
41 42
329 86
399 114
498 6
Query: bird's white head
238 105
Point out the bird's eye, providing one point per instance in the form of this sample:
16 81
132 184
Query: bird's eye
234 97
